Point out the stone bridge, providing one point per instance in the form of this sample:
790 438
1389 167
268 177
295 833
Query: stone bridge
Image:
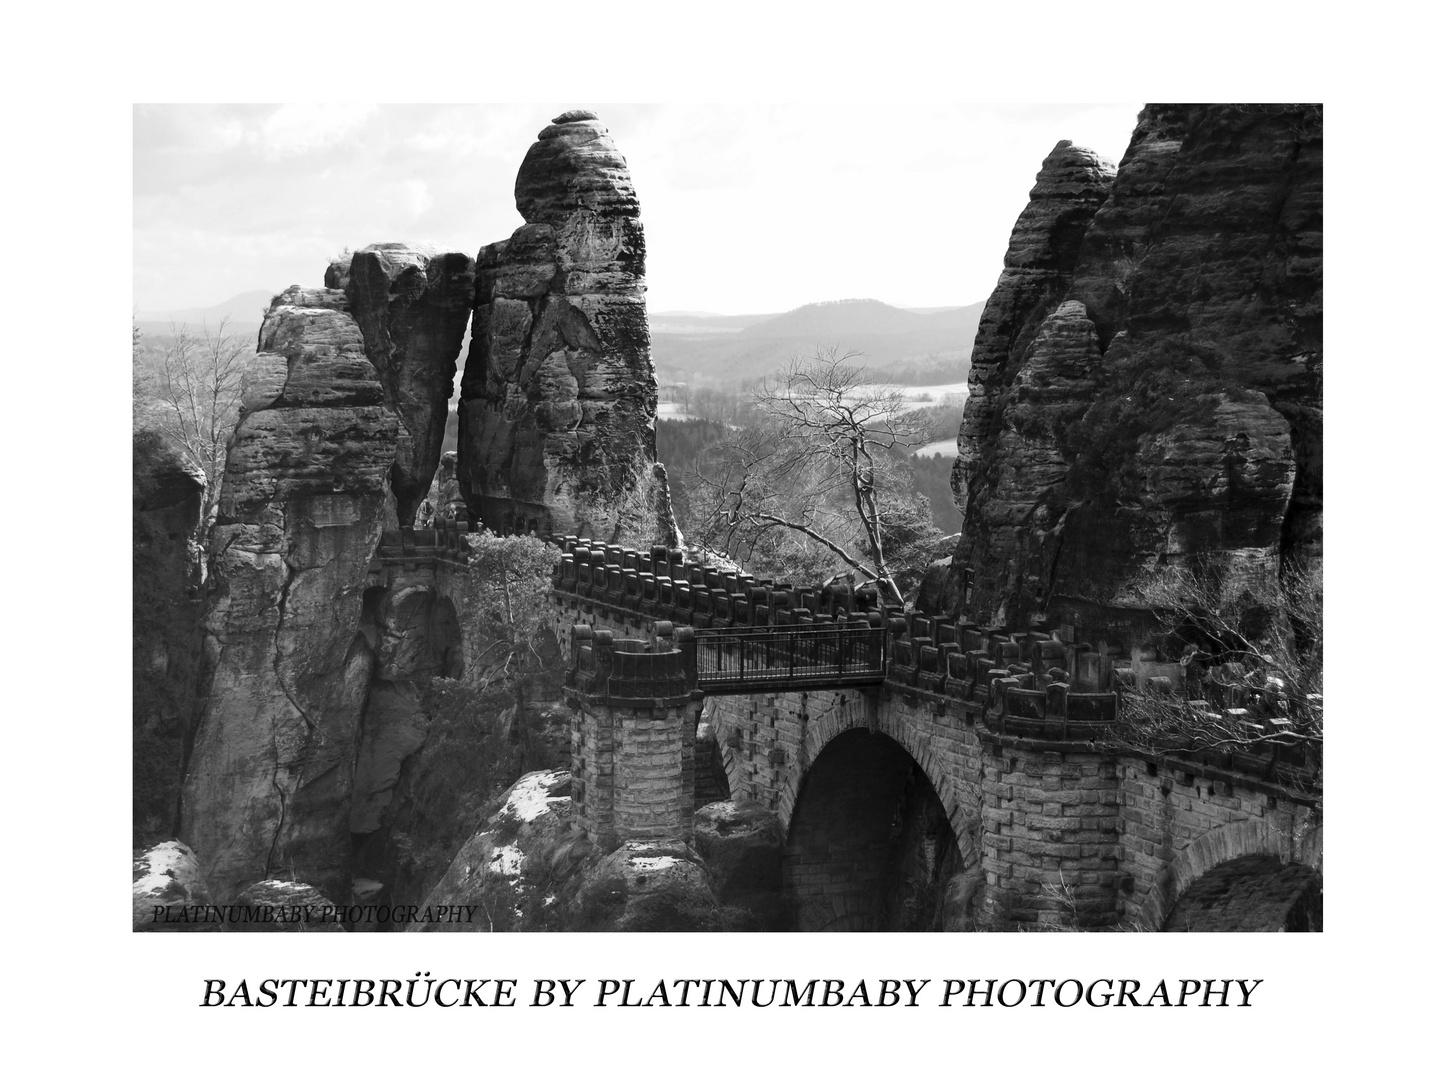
918 767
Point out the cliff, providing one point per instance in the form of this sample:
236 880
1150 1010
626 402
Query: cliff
1149 396
412 305
166 507
558 403
302 508
1071 186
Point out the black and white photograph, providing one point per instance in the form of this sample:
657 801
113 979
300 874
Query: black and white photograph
793 533
728 518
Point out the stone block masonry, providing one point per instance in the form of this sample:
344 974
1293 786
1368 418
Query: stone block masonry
1054 833
633 738
1000 742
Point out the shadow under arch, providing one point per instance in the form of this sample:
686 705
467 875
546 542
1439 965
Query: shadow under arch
870 845
827 725
1245 876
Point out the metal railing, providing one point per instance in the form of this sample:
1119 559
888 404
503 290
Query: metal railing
751 659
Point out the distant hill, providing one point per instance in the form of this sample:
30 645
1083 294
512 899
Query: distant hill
920 348
701 322
840 319
244 313
913 346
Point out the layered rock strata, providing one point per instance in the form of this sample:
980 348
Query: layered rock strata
303 502
1166 413
558 403
310 677
1071 186
413 306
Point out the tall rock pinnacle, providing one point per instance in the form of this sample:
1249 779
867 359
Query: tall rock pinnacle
1069 189
558 403
286 674
1150 399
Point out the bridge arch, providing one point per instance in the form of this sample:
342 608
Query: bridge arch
873 829
854 710
1248 875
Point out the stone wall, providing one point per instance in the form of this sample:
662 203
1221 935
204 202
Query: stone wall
1058 833
633 738
1000 741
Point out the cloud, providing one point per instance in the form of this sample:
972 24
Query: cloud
415 199
302 129
746 208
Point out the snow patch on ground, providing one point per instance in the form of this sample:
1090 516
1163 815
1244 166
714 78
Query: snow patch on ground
528 798
506 860
652 862
165 864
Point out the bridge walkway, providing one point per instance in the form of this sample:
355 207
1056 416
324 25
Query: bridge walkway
751 660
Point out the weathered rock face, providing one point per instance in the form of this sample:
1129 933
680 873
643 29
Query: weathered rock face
558 403
446 498
529 870
166 887
1071 186
647 885
413 634
166 562
741 845
513 869
1167 411
413 306
308 911
311 678
303 501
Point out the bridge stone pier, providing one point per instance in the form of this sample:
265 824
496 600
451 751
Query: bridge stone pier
633 737
949 776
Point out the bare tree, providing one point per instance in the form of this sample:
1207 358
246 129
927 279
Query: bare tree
1251 646
194 392
819 463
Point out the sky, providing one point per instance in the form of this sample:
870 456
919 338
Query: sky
746 208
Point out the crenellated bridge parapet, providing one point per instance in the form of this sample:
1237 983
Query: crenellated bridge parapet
998 755
754 635
442 548
824 704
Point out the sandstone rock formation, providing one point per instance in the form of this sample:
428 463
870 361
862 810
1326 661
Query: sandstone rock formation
312 669
303 500
412 305
413 634
1165 411
647 886
445 496
1071 186
531 826
558 403
166 887
166 565
307 909
742 847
